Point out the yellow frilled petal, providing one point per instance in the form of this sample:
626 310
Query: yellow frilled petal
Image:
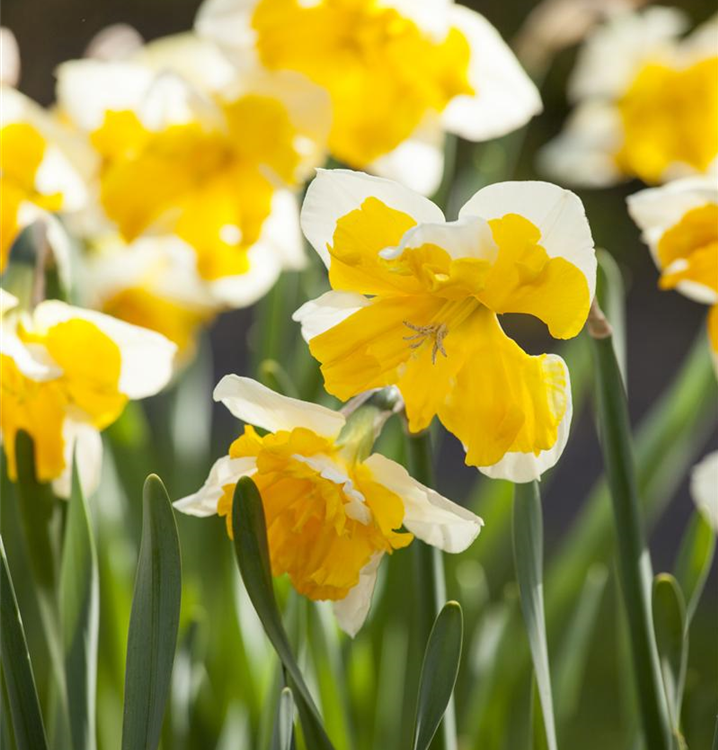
311 536
89 383
22 152
523 279
383 73
502 400
212 188
688 251
669 116
38 408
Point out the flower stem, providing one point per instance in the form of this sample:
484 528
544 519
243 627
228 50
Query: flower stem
429 575
633 557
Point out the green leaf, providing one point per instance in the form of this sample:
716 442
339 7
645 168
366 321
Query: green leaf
669 622
79 610
694 560
284 721
574 650
438 673
633 558
611 292
252 552
27 724
154 622
528 556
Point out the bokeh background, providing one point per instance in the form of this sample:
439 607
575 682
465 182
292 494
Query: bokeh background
661 326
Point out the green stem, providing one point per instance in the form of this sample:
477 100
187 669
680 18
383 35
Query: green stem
633 557
429 575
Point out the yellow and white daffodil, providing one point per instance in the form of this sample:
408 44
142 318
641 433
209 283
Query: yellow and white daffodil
415 302
43 169
646 103
332 509
400 73
216 169
66 374
679 222
704 488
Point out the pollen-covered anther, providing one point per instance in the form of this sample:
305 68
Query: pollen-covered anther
436 331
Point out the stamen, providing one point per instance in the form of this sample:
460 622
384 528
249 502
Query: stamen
435 331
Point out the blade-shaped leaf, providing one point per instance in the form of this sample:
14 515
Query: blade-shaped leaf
79 609
438 673
528 556
154 622
669 622
284 721
694 560
27 724
252 551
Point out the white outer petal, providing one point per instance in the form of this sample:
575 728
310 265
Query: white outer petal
325 312
704 488
656 210
257 405
429 516
583 152
229 23
225 471
352 610
558 213
147 356
612 55
418 162
468 237
7 302
334 193
32 360
84 442
525 467
505 98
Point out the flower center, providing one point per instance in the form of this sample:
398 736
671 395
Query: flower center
437 332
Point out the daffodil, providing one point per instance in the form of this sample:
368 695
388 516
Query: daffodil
332 509
416 300
43 168
680 225
400 73
216 169
704 488
66 373
646 103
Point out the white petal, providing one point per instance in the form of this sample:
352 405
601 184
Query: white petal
558 214
7 301
583 153
704 488
197 60
257 405
245 289
505 97
325 312
352 610
118 41
431 16
147 356
429 516
656 210
612 55
33 360
9 58
225 471
418 162
525 467
227 22
469 237
84 442
87 89
335 193
170 100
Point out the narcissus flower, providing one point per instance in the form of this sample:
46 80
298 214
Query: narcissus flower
704 488
399 73
416 302
66 374
216 169
680 225
647 103
42 168
332 509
